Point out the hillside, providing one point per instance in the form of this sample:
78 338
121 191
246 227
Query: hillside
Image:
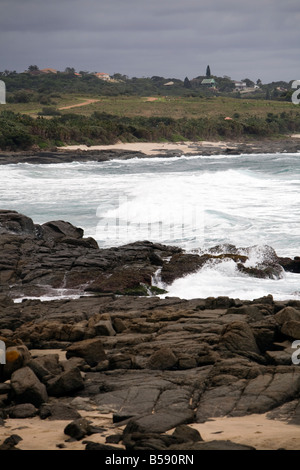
47 111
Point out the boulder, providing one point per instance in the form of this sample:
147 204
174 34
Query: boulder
290 265
104 328
291 328
78 429
10 442
59 229
27 388
13 222
16 358
58 411
163 359
91 350
287 314
65 383
23 411
46 366
237 337
180 265
120 361
185 433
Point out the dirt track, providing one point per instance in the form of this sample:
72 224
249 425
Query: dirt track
84 103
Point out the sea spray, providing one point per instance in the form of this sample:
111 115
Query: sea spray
245 200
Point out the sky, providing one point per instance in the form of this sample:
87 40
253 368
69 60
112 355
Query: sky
256 39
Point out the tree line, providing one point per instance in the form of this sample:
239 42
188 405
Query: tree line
26 87
22 132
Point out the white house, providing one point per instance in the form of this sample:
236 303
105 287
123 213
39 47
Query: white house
103 76
240 85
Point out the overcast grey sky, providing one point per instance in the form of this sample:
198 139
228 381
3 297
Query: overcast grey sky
171 38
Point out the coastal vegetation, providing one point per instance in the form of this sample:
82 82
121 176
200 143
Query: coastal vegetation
21 131
51 110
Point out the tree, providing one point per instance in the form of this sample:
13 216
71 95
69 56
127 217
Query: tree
259 82
70 70
208 71
248 82
187 83
268 94
33 68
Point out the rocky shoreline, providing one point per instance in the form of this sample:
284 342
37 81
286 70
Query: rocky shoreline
156 367
60 155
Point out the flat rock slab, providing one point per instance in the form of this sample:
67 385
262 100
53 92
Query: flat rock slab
160 422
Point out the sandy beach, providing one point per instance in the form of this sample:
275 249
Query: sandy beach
254 430
152 148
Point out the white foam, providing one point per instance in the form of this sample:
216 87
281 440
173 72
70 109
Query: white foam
193 202
223 279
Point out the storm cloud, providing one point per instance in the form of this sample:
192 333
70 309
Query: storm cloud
170 38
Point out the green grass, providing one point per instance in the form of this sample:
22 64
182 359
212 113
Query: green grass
186 107
175 107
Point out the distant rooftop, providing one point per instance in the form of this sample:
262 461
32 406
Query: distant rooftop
208 81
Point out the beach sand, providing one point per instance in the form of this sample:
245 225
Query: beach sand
152 148
253 430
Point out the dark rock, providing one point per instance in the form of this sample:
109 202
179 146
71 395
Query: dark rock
11 442
66 383
45 366
61 446
287 314
159 422
91 350
290 265
27 388
219 302
265 333
58 411
78 429
162 359
238 337
123 281
291 329
118 325
266 300
4 388
16 357
104 328
60 229
113 439
212 445
142 441
180 265
97 446
269 272
253 312
185 433
121 361
22 411
13 222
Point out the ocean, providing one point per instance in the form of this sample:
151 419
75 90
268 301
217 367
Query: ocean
193 202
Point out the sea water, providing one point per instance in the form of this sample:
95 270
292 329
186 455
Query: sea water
193 202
